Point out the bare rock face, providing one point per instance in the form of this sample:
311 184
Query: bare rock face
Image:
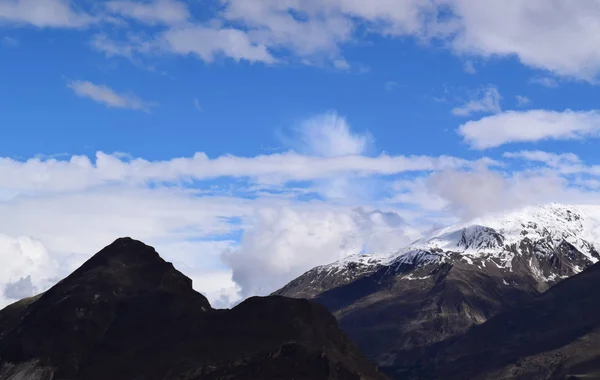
554 336
128 314
395 307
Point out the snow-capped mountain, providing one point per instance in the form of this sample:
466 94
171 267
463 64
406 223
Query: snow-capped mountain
552 241
545 228
396 304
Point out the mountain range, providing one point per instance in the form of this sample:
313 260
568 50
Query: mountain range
510 296
401 307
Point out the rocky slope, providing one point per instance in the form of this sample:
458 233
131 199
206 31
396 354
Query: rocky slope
395 306
128 314
555 336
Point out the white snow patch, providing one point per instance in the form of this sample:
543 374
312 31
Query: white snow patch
410 277
493 237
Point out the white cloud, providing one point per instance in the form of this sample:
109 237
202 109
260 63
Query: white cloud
107 96
168 12
530 126
328 135
487 100
341 64
471 194
416 192
318 30
56 212
522 28
474 28
48 236
207 43
544 81
43 13
129 48
78 172
271 24
522 100
73 207
283 243
26 267
548 158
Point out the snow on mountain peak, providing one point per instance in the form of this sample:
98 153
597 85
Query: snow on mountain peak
534 246
498 236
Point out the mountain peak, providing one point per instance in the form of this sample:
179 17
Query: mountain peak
127 267
441 285
126 313
126 250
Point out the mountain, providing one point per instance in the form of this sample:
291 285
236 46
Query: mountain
396 306
555 336
128 314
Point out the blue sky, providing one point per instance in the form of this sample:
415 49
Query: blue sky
252 140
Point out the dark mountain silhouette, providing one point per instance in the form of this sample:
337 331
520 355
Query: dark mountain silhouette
127 314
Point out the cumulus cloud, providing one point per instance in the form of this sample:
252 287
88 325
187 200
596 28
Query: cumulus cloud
283 243
471 194
129 48
56 212
487 100
318 30
530 126
544 81
48 236
491 28
328 135
548 158
20 289
26 267
156 12
207 43
44 14
70 207
107 96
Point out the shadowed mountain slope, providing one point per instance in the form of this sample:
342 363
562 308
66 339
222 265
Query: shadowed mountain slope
127 314
555 336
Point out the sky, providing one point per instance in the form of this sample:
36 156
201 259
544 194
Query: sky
251 140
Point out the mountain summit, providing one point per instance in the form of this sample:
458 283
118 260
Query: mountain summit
127 314
395 306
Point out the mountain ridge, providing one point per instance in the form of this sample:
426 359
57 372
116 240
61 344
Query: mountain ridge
395 306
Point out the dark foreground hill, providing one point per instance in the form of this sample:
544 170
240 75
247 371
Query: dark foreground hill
127 314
